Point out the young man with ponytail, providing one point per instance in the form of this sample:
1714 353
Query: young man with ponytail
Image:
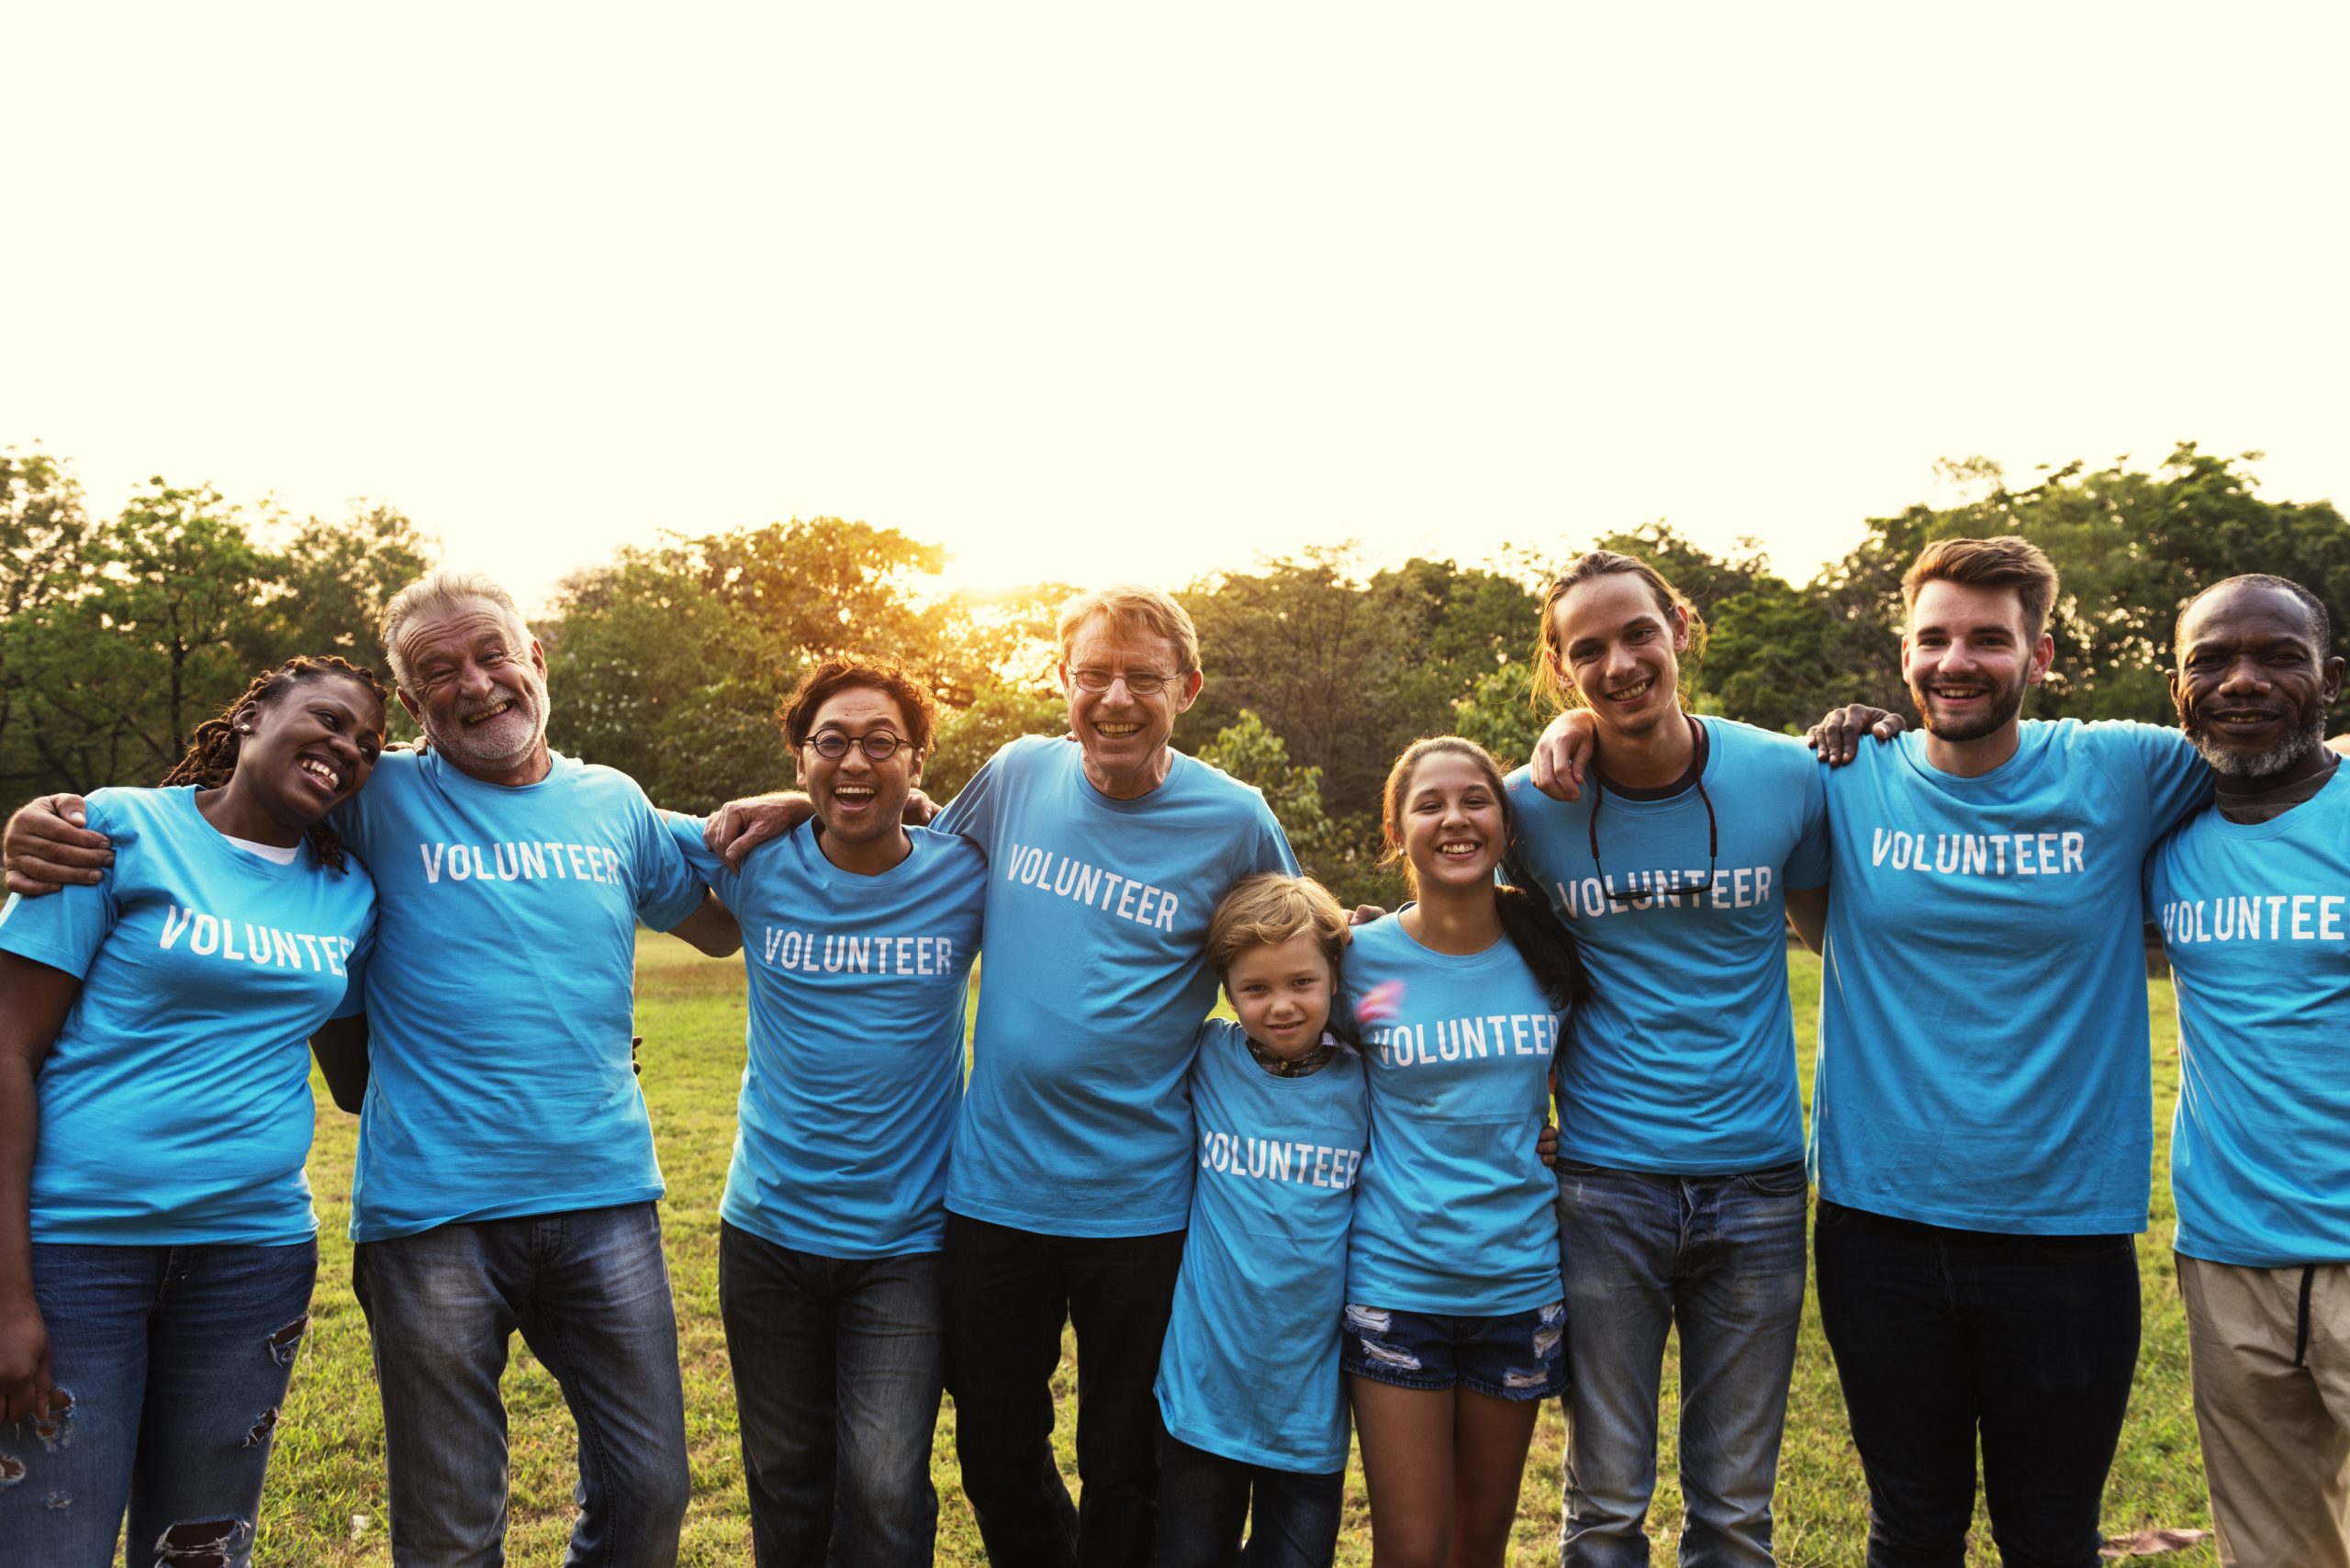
1682 1193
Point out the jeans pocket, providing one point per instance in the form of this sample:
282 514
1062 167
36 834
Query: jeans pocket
1787 1180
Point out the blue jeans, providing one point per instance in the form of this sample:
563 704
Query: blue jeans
589 1292
1941 1336
1204 1499
176 1358
1720 1259
838 1364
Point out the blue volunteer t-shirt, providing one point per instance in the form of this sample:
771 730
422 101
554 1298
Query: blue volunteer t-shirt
2256 917
1453 1210
1077 1121
1251 1367
855 1069
500 1008
1682 1059
175 1102
1982 1054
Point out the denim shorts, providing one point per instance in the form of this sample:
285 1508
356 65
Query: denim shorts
1519 1355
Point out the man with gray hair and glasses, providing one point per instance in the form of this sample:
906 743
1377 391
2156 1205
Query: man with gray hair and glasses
506 1177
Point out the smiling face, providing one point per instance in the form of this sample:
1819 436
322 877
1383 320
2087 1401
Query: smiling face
1621 649
1968 659
1124 733
1280 993
860 801
307 748
1450 822
2252 684
478 683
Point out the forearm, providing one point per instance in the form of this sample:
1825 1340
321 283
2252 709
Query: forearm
711 928
20 1131
1807 912
340 1046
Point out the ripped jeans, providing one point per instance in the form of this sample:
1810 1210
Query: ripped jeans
177 1360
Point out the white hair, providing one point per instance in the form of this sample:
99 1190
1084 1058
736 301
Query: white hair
442 589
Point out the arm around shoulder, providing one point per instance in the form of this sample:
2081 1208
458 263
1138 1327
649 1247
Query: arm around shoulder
48 845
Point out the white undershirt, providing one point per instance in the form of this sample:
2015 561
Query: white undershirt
283 853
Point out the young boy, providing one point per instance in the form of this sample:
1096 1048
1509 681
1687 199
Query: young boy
1248 1390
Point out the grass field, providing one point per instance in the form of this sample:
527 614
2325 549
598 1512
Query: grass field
326 1500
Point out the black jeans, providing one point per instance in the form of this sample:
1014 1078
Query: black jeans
837 1364
1008 1292
1937 1333
1205 1498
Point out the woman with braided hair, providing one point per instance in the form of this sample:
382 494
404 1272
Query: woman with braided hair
157 1246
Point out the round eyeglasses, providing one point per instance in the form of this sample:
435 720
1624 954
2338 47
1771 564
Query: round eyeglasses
879 745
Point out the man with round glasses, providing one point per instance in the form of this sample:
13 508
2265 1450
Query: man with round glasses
1680 1180
1070 1186
859 935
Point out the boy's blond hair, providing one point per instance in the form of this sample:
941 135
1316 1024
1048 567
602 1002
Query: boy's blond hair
1267 910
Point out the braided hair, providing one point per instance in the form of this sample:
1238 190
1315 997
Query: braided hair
211 754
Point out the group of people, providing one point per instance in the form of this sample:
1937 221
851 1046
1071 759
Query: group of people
1334 1204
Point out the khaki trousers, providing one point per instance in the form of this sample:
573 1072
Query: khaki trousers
2275 1434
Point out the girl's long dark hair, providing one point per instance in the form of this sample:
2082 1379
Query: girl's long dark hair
211 754
1541 940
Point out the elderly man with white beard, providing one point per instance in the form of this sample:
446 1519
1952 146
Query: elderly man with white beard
506 1176
2250 896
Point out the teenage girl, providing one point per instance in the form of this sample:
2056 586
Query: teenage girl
157 1246
1454 1324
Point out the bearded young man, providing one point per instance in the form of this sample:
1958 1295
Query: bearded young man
1982 1125
2252 897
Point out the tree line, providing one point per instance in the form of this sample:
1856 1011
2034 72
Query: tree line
120 634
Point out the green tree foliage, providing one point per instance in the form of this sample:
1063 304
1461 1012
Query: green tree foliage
121 636
671 662
338 577
1348 672
1251 752
999 714
1498 714
2130 547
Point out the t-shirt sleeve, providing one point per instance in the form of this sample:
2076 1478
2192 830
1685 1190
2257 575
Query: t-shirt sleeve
1269 848
2178 781
355 969
972 812
1808 866
66 928
719 878
667 887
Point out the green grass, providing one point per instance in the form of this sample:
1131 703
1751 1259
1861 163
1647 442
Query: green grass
326 1498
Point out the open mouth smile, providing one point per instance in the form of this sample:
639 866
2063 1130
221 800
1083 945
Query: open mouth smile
319 773
1633 692
2242 719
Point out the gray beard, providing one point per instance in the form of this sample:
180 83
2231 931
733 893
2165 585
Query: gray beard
2262 764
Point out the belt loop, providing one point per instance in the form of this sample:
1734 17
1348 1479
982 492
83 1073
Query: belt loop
2301 1335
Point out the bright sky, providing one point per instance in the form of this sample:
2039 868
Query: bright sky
1121 291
